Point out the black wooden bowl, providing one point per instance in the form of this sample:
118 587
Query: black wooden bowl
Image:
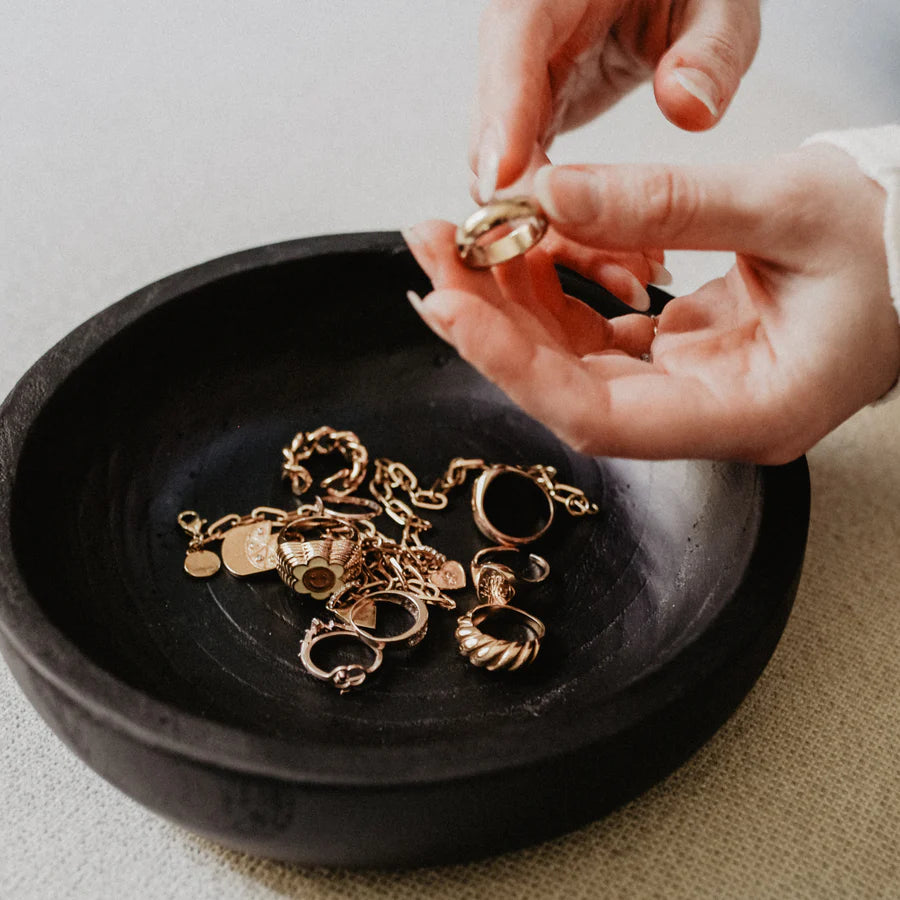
661 611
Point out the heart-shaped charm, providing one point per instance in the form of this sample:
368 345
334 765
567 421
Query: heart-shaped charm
451 576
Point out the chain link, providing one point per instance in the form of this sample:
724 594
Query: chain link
325 440
391 476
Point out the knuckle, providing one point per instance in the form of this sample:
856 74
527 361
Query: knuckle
671 200
726 52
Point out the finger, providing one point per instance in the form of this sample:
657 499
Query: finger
610 404
714 44
508 287
623 273
632 334
517 43
747 208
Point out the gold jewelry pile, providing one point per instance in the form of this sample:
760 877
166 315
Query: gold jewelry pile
330 549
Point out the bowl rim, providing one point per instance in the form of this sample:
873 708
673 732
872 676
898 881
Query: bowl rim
49 654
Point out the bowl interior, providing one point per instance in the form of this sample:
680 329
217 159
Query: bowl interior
189 405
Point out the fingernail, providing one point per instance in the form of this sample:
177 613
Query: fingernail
489 162
659 274
638 298
414 298
411 236
567 195
698 84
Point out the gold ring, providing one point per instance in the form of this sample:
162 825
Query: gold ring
510 506
527 222
411 602
535 571
492 653
343 677
321 564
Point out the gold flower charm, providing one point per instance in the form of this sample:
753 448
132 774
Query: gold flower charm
318 578
321 567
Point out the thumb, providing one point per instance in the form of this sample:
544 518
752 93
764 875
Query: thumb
675 207
712 49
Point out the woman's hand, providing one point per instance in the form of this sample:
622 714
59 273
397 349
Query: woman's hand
758 365
550 65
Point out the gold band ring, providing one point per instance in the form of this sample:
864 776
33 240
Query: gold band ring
527 222
492 653
499 495
411 602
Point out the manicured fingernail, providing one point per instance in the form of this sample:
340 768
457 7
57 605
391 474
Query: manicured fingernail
414 298
567 195
698 84
638 298
659 274
489 162
411 236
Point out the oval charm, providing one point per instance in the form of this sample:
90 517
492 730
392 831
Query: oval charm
249 549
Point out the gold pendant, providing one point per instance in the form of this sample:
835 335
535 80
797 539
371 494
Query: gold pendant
451 576
201 563
249 549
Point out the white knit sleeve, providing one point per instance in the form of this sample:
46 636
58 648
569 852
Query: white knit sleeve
877 153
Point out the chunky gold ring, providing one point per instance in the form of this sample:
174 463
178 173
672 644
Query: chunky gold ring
343 677
493 653
411 602
527 222
510 506
322 564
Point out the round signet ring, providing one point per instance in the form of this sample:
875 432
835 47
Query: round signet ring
526 222
493 653
510 507
409 601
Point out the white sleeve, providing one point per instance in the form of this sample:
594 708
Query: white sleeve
877 153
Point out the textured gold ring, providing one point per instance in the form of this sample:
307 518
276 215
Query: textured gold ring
527 224
494 653
411 602
536 570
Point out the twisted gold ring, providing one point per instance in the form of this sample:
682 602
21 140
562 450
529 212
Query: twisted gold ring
527 223
494 653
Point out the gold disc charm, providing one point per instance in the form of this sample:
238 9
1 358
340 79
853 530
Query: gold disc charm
202 563
249 549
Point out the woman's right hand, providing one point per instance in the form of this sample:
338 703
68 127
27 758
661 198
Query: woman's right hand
551 65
